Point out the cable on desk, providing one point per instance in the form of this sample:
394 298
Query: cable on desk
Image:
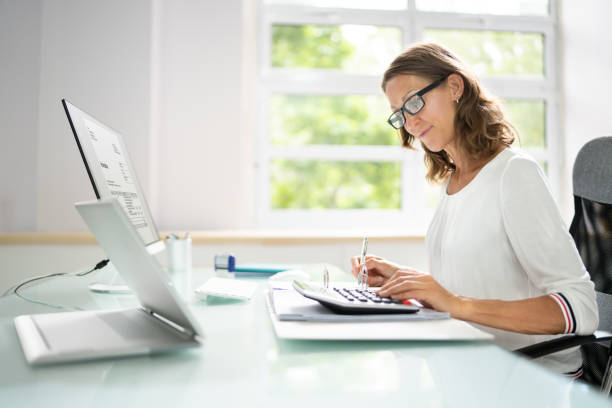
15 289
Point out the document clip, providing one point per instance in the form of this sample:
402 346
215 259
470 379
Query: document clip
362 278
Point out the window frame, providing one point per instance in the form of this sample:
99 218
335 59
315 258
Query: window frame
412 22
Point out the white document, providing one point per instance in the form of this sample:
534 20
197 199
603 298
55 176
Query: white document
119 180
290 305
431 330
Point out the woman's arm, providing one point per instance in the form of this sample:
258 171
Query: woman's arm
543 245
541 315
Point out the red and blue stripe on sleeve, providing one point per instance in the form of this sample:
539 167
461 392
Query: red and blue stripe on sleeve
568 313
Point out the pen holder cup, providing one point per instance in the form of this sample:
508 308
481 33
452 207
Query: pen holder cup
179 265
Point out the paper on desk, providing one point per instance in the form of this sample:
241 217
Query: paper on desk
424 330
289 305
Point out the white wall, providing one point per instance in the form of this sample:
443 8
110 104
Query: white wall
586 58
96 54
167 75
20 37
202 172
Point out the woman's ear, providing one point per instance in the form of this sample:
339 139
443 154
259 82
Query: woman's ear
455 85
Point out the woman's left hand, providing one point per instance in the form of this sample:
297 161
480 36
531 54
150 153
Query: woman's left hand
412 284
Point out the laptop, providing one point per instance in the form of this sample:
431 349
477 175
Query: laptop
162 322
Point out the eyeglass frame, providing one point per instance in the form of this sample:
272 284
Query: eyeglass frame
418 94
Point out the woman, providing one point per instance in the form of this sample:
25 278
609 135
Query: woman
499 252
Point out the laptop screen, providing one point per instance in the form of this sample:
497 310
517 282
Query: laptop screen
111 171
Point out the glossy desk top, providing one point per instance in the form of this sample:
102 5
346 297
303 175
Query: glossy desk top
242 363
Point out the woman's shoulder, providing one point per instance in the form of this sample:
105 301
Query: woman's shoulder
515 162
521 172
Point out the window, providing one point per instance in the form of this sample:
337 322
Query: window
326 156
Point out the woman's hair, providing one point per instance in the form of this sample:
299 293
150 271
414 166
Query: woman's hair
479 123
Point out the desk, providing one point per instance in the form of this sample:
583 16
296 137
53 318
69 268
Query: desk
243 364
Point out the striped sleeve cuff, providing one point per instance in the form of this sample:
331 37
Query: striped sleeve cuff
574 374
568 313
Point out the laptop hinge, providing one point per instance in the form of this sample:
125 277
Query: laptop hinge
168 323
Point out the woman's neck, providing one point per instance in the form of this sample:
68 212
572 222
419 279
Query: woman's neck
464 164
466 169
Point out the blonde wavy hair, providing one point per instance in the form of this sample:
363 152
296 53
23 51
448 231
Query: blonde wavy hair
479 122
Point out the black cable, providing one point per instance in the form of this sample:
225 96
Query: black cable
99 265
38 302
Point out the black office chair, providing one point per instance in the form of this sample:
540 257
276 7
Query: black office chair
592 230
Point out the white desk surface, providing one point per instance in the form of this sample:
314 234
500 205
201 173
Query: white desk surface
243 364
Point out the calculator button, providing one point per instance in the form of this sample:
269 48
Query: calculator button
369 298
347 297
386 300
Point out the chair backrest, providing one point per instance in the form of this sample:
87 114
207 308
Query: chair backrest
592 223
604 305
592 174
592 231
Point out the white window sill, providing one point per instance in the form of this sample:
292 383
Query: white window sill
268 237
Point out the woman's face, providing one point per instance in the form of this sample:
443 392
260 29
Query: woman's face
434 123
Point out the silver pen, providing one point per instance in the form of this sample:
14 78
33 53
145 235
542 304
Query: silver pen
362 281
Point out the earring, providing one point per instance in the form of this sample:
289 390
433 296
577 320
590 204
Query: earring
457 101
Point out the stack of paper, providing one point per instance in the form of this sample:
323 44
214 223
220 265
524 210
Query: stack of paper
304 319
289 305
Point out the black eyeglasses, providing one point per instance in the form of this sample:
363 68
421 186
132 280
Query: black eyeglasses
413 105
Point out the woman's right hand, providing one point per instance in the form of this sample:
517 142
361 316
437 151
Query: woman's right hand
379 269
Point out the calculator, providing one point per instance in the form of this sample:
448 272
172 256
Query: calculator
351 300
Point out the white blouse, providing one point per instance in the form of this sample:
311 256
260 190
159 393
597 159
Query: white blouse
502 237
